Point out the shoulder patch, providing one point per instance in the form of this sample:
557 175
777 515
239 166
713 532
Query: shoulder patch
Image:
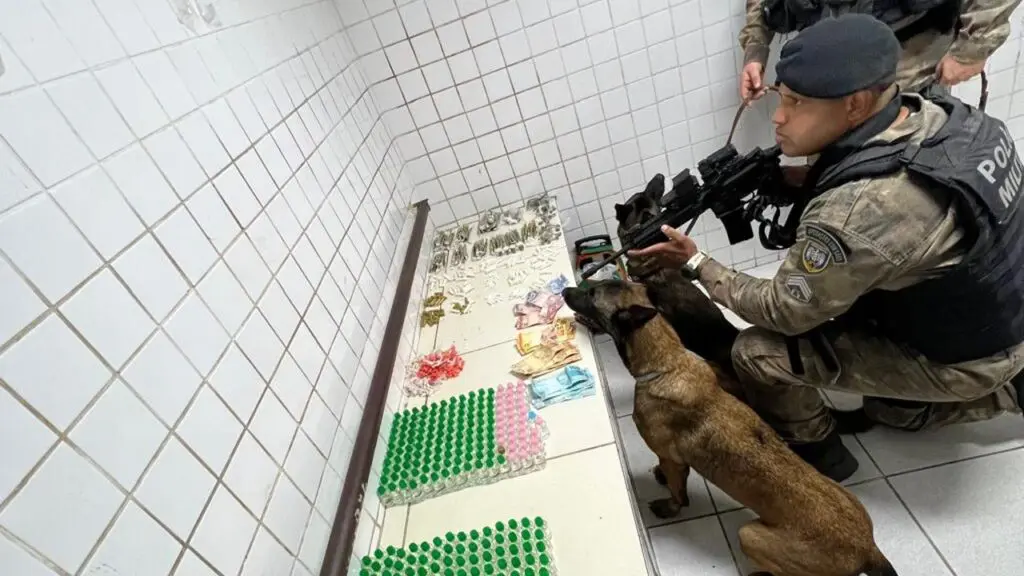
821 250
799 288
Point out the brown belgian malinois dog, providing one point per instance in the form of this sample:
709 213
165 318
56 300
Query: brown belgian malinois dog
808 525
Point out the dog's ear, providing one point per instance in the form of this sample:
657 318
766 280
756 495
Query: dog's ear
622 212
632 318
656 188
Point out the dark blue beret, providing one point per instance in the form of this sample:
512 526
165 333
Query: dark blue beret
839 56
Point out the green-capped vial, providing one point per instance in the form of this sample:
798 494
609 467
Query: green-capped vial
499 551
448 548
530 559
474 571
367 561
435 568
513 550
512 524
487 556
462 536
541 546
460 548
488 532
539 534
473 547
364 572
516 562
525 534
529 571
378 554
461 572
460 560
512 537
449 572
448 561
525 522
527 546
500 526
438 541
502 564
488 569
544 560
539 522
544 572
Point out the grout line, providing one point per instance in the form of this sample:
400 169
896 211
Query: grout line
956 461
734 554
219 476
582 450
921 527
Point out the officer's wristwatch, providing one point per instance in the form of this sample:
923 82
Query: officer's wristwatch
694 263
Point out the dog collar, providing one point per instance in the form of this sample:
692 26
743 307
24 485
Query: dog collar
645 378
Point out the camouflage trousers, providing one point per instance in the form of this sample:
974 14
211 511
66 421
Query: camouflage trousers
901 388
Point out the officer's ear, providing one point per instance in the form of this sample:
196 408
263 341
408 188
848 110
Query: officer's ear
862 105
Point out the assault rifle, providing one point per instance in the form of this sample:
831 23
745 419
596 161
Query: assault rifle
737 189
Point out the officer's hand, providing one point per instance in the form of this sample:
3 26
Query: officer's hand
751 85
950 72
672 254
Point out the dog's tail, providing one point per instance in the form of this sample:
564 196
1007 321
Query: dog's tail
879 566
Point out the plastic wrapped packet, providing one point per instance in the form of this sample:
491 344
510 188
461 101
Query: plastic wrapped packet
479 249
459 255
462 234
439 262
512 216
489 221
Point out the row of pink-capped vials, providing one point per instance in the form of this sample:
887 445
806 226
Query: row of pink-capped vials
518 430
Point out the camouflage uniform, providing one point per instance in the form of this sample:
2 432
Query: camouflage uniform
985 27
885 233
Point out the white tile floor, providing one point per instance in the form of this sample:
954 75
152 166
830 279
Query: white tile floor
945 503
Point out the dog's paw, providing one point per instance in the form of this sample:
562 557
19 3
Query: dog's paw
664 508
659 476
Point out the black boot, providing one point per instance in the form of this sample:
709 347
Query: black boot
852 421
828 456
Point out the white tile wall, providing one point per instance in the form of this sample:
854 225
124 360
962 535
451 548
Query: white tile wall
202 217
493 101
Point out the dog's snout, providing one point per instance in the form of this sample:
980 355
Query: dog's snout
572 297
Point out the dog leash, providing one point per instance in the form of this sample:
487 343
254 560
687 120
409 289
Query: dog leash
732 132
983 100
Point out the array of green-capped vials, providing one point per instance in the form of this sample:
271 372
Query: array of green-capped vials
514 548
454 444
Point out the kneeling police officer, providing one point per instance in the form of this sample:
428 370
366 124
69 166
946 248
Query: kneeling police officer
906 281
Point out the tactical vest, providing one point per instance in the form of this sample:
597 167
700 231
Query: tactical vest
975 309
784 16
